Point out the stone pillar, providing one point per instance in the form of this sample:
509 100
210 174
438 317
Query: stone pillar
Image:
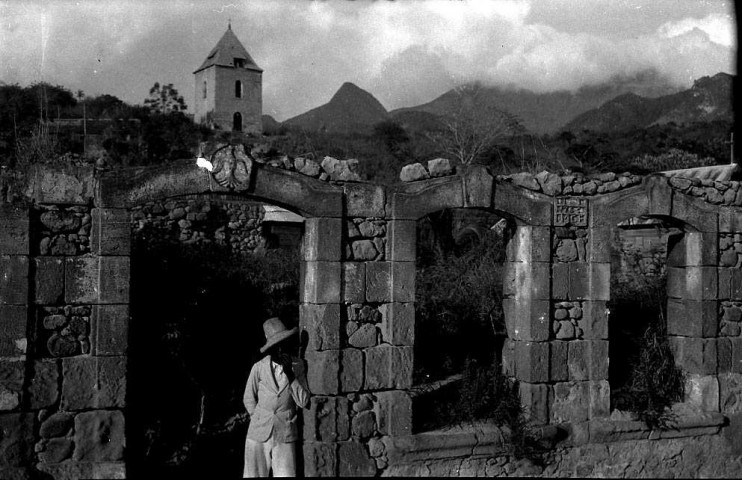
17 442
526 306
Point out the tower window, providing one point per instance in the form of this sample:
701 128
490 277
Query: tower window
238 89
239 62
204 88
237 122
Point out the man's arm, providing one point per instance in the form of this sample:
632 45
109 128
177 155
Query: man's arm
250 398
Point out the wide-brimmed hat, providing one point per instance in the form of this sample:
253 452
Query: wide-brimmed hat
275 331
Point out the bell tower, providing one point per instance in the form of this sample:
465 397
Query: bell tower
229 88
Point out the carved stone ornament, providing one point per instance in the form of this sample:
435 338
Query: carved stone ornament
232 167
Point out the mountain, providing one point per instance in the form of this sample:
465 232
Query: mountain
548 112
351 109
709 99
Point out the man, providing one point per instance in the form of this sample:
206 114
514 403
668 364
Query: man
271 397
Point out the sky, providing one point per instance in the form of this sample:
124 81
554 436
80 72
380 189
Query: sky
404 52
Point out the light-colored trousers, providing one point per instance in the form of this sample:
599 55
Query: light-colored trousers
261 457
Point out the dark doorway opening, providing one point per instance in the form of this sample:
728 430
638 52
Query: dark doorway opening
237 122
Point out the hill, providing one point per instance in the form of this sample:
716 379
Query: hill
708 100
547 112
351 109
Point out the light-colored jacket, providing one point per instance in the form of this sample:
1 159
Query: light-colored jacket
272 411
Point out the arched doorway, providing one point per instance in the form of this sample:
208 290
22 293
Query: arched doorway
237 122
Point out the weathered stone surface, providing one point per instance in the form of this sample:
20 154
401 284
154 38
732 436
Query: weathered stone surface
403 282
413 200
12 374
571 402
373 228
532 361
62 346
354 282
393 410
558 366
323 372
59 221
81 280
77 470
49 280
364 337
401 243
577 358
535 400
354 460
439 167
320 282
702 392
44 387
378 282
691 318
17 439
111 231
730 393
110 329
307 166
14 230
413 172
364 425
99 436
398 323
57 425
320 459
526 180
351 370
13 321
364 250
115 278
321 322
567 251
68 185
364 200
57 450
93 382
600 398
327 419
550 183
14 280
527 319
322 239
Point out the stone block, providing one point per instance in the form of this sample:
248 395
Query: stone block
354 460
320 282
57 425
600 245
730 393
676 282
62 185
526 319
724 355
600 398
393 411
12 374
115 279
579 281
13 280
364 200
598 360
688 353
701 283
560 281
74 470
327 419
56 450
595 316
354 282
99 436
49 280
600 281
571 402
351 370
527 279
535 400
379 282
321 322
735 287
44 387
730 220
111 231
736 355
529 244
93 382
478 187
322 239
363 425
709 365
696 213
659 194
558 367
14 230
528 207
532 361
320 459
725 282
702 392
388 367
414 200
13 322
323 371
110 329
577 360
401 243
692 318
403 281
17 439
398 323
508 358
81 280
701 249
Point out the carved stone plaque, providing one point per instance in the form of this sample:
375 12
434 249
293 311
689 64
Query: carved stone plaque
232 167
570 211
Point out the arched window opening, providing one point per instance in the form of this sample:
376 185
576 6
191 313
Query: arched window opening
238 89
237 122
205 89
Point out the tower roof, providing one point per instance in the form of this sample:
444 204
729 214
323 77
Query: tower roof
226 50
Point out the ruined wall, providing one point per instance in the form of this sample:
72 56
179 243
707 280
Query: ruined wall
64 308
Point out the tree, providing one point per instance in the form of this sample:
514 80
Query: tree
165 99
475 128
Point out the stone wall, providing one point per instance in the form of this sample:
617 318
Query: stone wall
64 304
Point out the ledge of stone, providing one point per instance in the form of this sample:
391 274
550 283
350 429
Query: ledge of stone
607 431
